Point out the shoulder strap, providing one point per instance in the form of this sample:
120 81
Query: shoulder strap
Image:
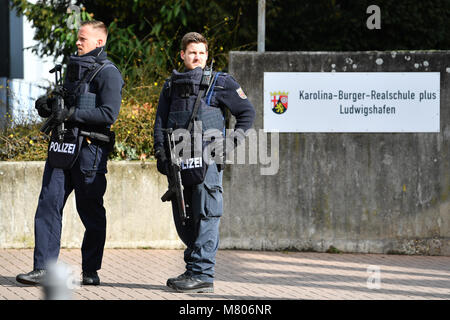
205 84
195 111
210 91
98 69
168 89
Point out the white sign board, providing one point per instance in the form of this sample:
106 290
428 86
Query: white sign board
352 101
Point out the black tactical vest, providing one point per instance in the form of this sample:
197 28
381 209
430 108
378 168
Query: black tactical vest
80 73
183 91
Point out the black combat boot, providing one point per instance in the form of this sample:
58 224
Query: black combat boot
34 277
182 276
193 285
90 278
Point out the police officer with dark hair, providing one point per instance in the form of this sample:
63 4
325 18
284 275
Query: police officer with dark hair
78 162
204 202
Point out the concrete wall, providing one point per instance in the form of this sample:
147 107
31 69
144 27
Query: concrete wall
356 192
368 192
136 217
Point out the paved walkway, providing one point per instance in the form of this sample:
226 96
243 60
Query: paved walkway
138 274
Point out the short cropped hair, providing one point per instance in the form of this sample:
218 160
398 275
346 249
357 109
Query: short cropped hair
193 37
96 25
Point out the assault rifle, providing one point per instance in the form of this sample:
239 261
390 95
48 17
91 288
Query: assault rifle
57 105
174 175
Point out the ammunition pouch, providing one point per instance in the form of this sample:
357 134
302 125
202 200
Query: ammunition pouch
85 101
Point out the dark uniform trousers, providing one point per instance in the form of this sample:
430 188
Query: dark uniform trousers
87 179
201 232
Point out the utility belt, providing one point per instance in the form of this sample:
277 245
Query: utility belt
63 153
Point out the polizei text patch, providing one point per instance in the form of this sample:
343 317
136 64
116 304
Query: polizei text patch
62 147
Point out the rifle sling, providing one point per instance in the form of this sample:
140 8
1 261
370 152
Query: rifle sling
197 101
195 111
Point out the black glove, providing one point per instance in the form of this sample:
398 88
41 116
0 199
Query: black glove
162 163
43 107
62 115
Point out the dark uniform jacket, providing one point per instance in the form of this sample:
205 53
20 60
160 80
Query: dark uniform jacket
227 94
107 85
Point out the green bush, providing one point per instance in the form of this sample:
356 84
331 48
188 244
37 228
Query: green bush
22 142
134 131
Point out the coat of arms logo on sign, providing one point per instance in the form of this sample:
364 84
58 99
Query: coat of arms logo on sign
279 101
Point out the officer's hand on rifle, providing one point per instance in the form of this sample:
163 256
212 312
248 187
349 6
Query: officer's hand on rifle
62 115
43 106
162 162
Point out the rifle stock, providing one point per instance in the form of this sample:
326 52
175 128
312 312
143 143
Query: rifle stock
168 195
